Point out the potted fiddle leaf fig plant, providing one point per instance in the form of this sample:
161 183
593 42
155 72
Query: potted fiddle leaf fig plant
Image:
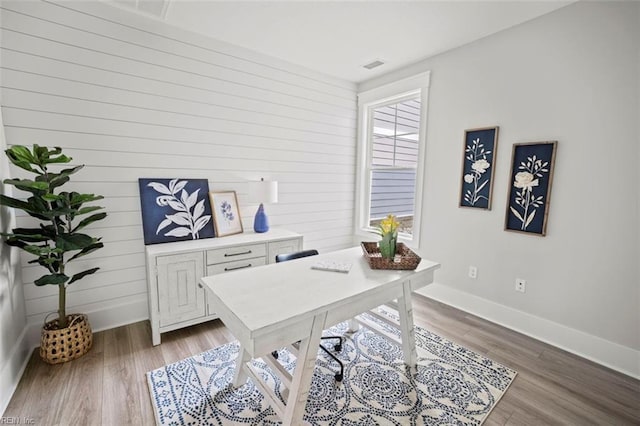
55 242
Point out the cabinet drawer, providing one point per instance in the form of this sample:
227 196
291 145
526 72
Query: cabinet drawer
229 254
235 265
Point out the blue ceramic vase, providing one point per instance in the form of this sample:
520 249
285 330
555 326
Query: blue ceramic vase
261 222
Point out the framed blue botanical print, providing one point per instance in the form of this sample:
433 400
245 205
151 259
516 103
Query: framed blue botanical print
175 210
226 213
476 186
530 187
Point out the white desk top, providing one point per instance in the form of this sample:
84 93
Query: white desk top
260 299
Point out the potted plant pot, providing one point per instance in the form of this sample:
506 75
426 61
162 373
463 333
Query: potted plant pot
59 345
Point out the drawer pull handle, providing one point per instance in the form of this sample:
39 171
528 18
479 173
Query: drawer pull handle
237 254
200 285
237 267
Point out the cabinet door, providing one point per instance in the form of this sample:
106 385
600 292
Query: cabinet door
179 296
283 247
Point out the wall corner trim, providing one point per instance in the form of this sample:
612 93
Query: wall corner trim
10 375
601 351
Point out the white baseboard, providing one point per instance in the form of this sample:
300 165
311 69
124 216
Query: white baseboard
609 354
102 319
12 370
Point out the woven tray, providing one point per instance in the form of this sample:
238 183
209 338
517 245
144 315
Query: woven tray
408 259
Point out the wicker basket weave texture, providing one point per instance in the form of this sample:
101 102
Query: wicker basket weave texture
408 260
58 346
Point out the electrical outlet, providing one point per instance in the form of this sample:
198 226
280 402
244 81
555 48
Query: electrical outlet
521 285
473 272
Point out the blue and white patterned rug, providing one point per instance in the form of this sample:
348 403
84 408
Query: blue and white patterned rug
453 386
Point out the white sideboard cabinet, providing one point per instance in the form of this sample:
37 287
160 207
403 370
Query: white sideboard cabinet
176 298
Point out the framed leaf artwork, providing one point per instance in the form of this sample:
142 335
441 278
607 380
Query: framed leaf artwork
175 210
226 214
530 187
476 187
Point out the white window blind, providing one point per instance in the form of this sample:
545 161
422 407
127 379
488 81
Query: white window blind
393 160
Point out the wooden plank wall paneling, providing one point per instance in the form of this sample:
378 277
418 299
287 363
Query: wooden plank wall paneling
131 97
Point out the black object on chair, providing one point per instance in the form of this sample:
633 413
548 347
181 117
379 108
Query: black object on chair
337 347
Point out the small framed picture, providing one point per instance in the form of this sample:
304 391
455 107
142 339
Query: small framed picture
226 215
476 186
530 187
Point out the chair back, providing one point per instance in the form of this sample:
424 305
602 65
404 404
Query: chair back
297 255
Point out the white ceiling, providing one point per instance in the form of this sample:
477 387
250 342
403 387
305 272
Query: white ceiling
339 37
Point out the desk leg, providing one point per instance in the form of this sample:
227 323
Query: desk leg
405 311
303 374
352 325
240 375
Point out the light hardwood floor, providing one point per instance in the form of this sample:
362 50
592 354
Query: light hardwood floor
108 386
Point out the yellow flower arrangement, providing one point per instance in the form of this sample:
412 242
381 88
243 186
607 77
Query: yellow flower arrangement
388 230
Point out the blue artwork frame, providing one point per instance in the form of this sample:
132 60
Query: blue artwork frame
175 210
476 187
532 167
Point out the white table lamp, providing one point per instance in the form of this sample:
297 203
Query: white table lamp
262 192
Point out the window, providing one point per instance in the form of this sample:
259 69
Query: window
391 152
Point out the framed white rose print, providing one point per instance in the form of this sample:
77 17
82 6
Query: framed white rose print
479 147
530 187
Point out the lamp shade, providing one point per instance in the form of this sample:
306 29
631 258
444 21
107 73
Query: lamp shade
263 191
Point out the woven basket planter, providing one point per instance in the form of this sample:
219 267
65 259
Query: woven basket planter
62 345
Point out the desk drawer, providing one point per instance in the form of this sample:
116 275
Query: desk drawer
230 254
235 265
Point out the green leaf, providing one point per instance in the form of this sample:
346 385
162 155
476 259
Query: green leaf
57 181
59 159
77 199
48 262
14 203
48 230
41 153
28 235
83 274
88 209
68 242
86 221
28 185
43 251
37 250
51 197
55 279
15 243
85 251
46 156
21 156
72 170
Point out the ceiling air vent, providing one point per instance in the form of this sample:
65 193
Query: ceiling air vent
374 64
157 8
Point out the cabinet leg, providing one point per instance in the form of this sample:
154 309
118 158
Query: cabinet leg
155 335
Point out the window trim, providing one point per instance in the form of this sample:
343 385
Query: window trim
389 93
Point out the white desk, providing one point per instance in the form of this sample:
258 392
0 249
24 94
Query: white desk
272 306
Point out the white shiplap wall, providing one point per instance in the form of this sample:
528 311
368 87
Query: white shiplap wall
131 97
